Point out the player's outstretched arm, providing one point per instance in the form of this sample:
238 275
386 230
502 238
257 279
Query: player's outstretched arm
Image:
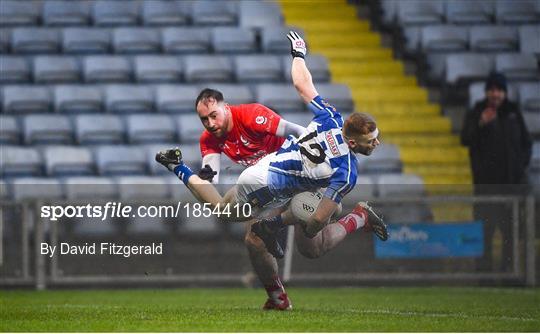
302 80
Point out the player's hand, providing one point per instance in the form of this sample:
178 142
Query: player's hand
207 173
298 46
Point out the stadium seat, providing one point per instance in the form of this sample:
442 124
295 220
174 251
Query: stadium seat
89 187
256 14
467 67
186 40
10 133
234 40
158 69
279 97
36 188
273 41
470 12
150 129
493 38
86 40
258 68
535 158
14 70
56 69
5 40
400 185
120 160
385 159
99 129
66 13
68 161
338 95
115 13
529 39
164 13
413 37
189 128
26 99
20 161
446 38
129 99
364 190
529 97
517 66
208 69
522 11
532 120
142 187
176 98
35 40
75 99
4 195
106 69
300 118
47 129
420 12
19 13
214 13
317 64
232 93
136 40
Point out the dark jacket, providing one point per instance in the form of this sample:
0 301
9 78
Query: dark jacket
500 151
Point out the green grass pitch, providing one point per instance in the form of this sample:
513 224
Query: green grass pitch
438 309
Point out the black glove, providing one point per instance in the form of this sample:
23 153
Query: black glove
298 46
207 173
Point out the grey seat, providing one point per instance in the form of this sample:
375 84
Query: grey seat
19 13
493 38
420 12
529 39
214 13
35 40
68 161
77 99
535 158
529 97
176 98
523 11
186 40
384 160
470 12
158 69
20 161
136 40
532 119
36 188
389 11
56 69
14 70
66 13
129 99
517 66
5 40
413 38
164 13
47 129
233 40
26 99
400 185
338 95
150 129
89 187
142 187
365 189
467 67
317 64
444 38
256 14
232 93
189 128
120 160
258 68
10 133
99 129
115 13
273 39
86 40
279 97
208 69
106 69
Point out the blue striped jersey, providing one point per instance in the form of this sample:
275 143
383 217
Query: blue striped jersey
319 158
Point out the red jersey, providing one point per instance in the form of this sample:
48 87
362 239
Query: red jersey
252 137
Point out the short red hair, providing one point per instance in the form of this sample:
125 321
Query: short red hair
359 124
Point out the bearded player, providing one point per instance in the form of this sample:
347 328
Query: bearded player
321 157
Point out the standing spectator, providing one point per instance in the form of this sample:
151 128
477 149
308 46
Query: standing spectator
500 150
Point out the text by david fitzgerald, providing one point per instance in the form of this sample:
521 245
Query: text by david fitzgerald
103 248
